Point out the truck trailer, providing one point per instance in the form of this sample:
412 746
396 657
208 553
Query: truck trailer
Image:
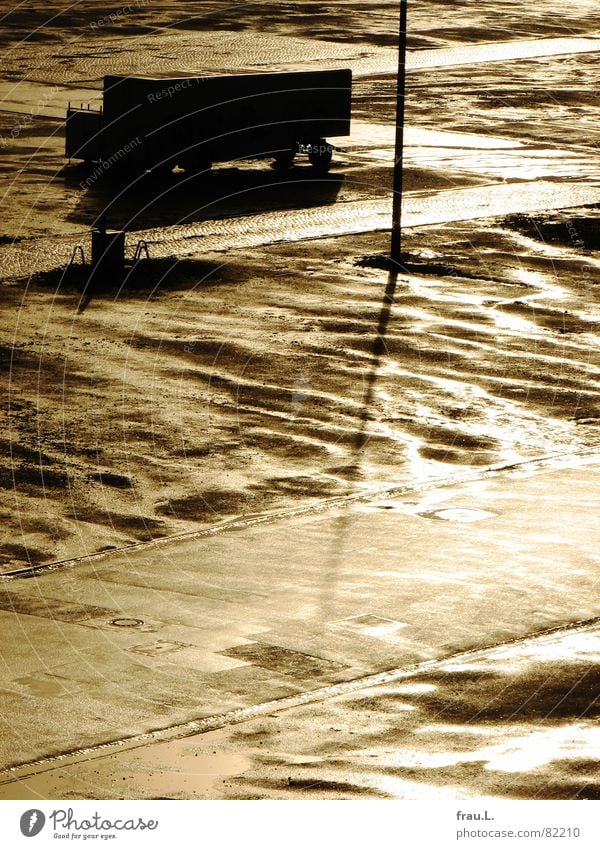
155 123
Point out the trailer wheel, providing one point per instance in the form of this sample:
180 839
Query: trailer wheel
320 154
284 159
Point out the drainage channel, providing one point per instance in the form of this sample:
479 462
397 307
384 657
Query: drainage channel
205 725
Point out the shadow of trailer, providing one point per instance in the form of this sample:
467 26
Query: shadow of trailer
154 123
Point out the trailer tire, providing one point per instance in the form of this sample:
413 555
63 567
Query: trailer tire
320 154
284 159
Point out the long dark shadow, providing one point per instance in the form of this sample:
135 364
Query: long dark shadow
334 562
159 201
378 348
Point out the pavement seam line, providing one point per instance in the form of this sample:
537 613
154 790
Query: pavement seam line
204 725
308 510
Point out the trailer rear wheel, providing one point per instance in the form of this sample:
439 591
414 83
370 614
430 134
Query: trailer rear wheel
320 154
284 159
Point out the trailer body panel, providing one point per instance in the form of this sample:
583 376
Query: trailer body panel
216 119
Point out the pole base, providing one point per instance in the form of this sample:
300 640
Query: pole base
385 262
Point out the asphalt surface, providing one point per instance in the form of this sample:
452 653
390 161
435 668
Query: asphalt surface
170 637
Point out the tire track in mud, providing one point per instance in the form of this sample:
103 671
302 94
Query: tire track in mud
30 256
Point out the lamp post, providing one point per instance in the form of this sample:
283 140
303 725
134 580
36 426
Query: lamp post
396 246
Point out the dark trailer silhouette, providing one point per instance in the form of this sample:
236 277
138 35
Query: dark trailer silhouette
154 123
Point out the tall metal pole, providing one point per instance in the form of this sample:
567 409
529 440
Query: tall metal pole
396 248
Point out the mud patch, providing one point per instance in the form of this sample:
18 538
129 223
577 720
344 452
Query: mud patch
112 479
210 504
568 691
49 608
307 486
142 528
561 321
448 455
12 553
576 232
37 476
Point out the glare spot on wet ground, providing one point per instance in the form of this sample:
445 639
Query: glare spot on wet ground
580 645
514 324
536 279
493 156
397 788
372 626
459 514
532 750
517 753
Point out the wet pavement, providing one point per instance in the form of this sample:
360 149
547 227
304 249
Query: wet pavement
392 645
172 635
518 721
